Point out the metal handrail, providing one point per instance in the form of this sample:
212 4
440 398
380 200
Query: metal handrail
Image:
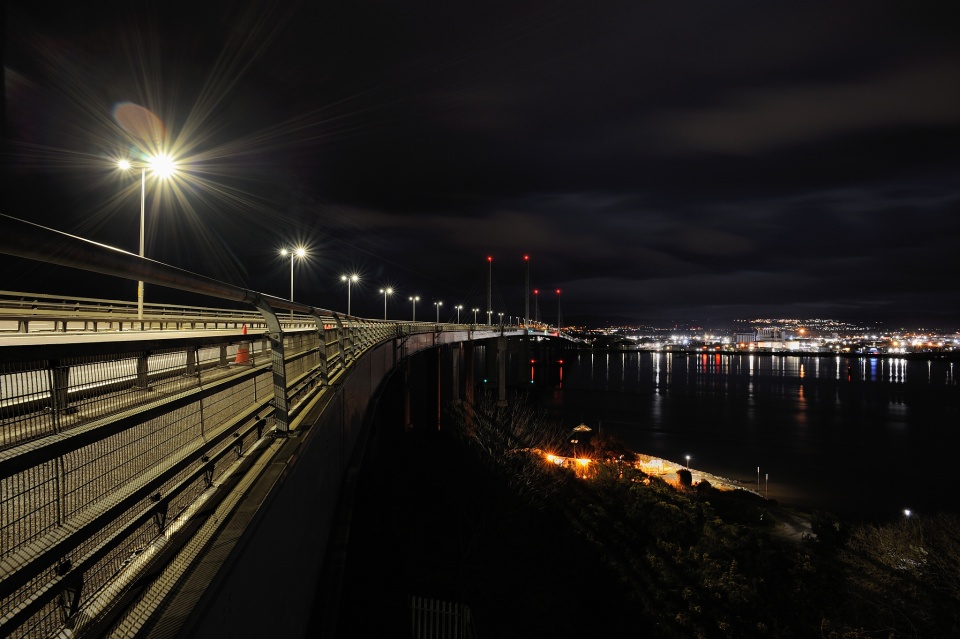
35 242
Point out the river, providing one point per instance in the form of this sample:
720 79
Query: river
862 437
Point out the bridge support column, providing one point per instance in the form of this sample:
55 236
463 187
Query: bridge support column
456 350
502 370
469 388
439 350
525 373
407 423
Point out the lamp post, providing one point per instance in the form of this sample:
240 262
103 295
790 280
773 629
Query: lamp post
349 279
162 166
438 305
489 290
459 307
475 315
559 315
415 299
298 252
688 462
501 318
385 291
526 294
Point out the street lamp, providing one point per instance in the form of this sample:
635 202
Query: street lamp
162 166
298 252
501 318
559 314
415 299
475 315
459 308
349 279
688 462
438 305
385 291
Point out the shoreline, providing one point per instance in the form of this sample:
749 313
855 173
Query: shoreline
793 523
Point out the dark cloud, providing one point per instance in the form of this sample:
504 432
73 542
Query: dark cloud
655 160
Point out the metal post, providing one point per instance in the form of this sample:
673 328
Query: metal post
143 203
490 291
281 404
502 368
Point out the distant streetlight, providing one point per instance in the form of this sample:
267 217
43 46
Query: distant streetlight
162 166
438 305
501 318
688 462
298 252
415 299
475 315
459 307
907 512
559 314
349 279
385 291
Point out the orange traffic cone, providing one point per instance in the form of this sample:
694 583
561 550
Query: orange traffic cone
243 352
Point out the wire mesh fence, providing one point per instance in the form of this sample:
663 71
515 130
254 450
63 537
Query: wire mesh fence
99 430
100 449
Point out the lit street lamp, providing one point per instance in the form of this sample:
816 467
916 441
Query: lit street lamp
385 291
501 318
349 279
299 252
415 299
475 315
459 308
438 305
688 462
162 166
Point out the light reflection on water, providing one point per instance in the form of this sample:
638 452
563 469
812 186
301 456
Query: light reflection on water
861 436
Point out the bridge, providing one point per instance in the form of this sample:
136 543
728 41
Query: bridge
177 474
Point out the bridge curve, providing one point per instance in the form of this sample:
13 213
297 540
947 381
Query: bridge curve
168 475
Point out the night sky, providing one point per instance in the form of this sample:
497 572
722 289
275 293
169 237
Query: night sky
658 161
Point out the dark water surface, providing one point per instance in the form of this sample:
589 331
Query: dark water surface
861 437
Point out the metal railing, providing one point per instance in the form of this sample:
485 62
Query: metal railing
107 445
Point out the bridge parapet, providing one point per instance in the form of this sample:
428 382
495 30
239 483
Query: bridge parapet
123 453
108 446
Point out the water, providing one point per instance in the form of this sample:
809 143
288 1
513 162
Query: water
864 438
